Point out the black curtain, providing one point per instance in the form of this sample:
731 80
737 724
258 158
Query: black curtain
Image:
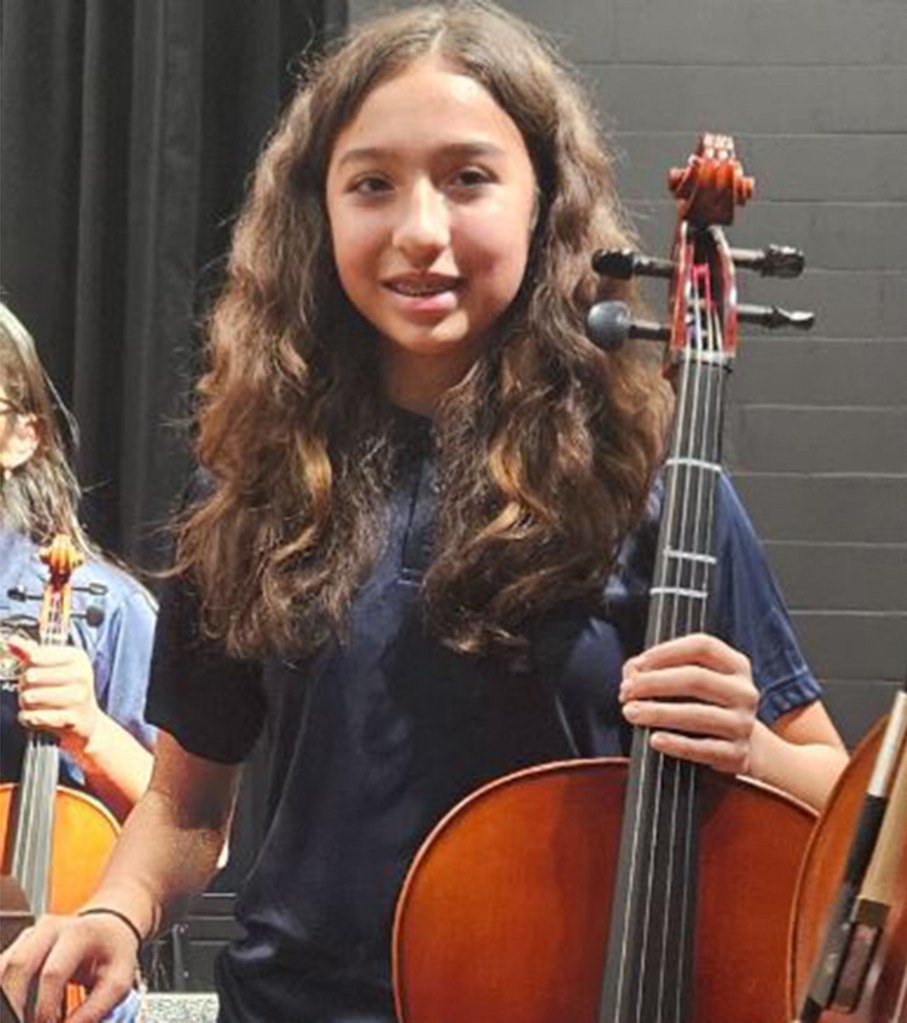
129 131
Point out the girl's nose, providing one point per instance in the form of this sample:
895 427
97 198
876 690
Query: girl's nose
424 227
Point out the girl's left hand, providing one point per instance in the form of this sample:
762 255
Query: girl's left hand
56 692
697 696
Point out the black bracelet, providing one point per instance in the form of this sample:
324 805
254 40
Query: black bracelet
136 933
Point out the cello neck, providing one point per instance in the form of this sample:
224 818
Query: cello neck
648 973
34 814
685 556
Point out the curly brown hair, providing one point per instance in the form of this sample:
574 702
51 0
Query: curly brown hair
547 448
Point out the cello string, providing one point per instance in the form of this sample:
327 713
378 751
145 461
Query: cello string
679 527
699 581
21 857
43 806
682 832
648 758
650 889
677 838
710 447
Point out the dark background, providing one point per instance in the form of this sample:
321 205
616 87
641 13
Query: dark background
128 133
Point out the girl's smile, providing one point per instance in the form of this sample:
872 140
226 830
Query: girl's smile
431 199
425 292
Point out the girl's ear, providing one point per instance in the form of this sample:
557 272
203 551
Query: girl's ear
20 443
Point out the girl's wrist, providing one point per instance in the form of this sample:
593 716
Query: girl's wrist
124 919
134 907
761 739
84 745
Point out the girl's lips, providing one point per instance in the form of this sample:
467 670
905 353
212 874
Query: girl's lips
431 302
437 295
423 285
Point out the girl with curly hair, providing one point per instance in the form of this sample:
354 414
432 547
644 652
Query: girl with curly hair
419 553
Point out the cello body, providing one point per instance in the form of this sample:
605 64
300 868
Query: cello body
504 916
884 998
84 834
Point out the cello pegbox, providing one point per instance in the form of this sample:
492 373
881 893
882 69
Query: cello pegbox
62 558
712 184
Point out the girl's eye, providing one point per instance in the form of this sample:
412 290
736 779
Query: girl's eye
471 177
370 185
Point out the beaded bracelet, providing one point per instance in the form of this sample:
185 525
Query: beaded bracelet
137 934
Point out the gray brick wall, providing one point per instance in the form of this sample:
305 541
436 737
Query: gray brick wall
816 94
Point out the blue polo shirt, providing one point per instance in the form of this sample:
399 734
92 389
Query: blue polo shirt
113 621
372 741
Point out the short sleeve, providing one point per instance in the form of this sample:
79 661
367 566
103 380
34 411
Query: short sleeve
211 703
748 612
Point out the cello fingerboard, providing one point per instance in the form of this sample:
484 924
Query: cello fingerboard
650 950
32 848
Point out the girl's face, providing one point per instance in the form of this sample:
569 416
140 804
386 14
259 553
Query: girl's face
431 198
18 434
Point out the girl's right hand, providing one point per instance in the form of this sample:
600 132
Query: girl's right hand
96 951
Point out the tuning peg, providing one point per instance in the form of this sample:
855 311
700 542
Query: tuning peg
95 589
622 264
772 261
773 317
609 324
92 615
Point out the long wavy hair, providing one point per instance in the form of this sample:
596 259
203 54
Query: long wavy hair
547 448
40 497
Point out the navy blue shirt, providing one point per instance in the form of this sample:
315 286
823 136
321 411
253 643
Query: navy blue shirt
374 740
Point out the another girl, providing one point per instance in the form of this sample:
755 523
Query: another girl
89 693
420 549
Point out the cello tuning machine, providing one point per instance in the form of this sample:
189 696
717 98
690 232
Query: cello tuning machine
609 324
773 318
622 264
782 261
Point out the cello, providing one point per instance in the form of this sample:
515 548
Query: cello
602 890
55 841
852 893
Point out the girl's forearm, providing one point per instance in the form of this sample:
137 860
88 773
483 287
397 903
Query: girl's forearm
158 864
117 766
807 771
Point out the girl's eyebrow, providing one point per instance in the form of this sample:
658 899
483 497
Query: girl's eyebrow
467 150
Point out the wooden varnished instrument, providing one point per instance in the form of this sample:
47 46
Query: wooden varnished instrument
849 949
55 841
648 890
